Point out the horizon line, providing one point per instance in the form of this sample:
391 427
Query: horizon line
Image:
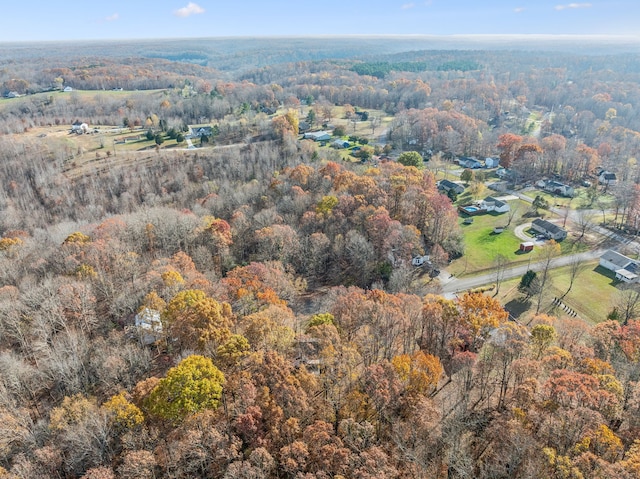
487 36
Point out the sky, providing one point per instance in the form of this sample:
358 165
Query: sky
45 20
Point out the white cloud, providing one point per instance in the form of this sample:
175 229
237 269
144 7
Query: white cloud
190 9
572 5
407 6
519 9
112 18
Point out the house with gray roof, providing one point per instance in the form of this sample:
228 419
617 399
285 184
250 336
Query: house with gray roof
558 188
446 186
607 178
317 135
494 204
548 229
625 268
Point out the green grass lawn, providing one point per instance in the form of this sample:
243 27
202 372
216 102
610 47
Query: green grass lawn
591 296
482 245
580 200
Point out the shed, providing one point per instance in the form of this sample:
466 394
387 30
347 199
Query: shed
527 246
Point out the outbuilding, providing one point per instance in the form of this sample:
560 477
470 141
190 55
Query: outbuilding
527 246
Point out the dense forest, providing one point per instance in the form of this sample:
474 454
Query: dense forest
248 309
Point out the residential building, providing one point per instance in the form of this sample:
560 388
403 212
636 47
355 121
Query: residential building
469 162
317 135
446 186
625 268
494 204
607 178
548 229
340 144
148 326
557 188
200 131
491 162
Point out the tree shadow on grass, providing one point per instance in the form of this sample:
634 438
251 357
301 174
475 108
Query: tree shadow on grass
516 307
490 237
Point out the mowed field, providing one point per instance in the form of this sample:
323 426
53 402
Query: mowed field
592 295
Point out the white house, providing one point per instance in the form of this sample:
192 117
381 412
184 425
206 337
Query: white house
79 127
420 260
607 178
317 135
625 268
503 173
67 89
200 131
491 162
493 204
148 326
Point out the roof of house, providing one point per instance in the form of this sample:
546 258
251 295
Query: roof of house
469 158
547 226
495 201
616 258
450 184
555 184
628 275
317 134
607 175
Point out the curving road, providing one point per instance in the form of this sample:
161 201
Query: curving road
452 285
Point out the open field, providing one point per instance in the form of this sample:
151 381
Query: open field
78 96
482 245
579 201
591 295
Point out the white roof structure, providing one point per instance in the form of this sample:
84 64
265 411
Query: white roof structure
148 326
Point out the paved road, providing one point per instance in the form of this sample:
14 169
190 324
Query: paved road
453 285
573 216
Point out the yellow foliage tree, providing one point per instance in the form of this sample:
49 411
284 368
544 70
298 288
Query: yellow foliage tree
124 414
479 313
154 302
419 372
192 386
73 410
172 279
196 320
77 238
